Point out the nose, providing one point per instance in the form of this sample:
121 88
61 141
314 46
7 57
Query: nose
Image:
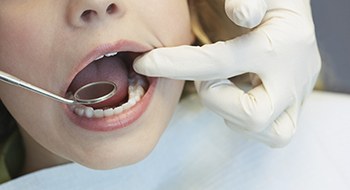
87 12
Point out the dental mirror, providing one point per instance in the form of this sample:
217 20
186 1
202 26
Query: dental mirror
90 93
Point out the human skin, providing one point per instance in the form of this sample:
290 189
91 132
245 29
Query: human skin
44 42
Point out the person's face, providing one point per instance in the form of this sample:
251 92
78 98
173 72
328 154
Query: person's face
53 44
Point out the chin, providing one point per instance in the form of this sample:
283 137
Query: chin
128 142
112 160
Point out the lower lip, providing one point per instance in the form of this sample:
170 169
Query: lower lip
119 121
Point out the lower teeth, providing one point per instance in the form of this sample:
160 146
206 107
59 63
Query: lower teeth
136 91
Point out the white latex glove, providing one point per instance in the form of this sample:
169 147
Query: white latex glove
282 51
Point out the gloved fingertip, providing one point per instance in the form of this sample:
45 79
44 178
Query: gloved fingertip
140 65
205 85
246 13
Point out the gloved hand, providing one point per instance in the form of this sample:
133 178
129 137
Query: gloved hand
282 51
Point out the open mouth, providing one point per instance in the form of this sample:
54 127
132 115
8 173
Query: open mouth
115 67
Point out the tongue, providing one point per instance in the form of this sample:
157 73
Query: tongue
106 69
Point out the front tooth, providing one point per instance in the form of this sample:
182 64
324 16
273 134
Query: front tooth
89 112
98 113
108 112
99 57
111 54
118 110
79 110
126 106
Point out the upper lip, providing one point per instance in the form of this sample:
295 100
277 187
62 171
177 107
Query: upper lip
105 49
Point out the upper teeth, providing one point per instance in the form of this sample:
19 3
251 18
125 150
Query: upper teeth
107 55
111 54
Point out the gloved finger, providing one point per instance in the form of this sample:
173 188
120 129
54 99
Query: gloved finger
209 62
282 129
250 111
246 13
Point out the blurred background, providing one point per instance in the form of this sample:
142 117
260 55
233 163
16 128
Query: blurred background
332 22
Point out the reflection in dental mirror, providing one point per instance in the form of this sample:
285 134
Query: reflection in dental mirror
90 93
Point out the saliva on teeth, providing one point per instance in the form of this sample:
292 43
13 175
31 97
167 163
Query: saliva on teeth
135 90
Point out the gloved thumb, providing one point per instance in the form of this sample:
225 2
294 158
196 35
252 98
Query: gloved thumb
246 13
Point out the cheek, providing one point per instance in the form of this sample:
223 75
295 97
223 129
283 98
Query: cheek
27 108
174 26
21 54
17 35
25 43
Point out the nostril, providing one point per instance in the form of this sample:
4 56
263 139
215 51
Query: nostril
112 8
87 15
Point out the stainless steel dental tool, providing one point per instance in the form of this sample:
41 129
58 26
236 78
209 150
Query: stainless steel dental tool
90 93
